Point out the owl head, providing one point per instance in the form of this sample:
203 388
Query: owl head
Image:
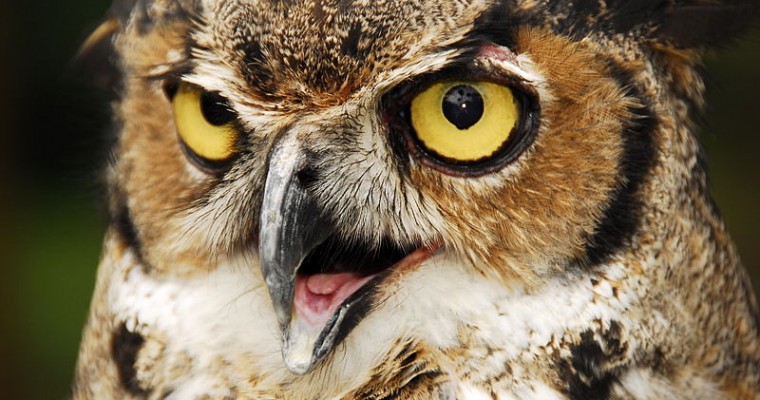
339 146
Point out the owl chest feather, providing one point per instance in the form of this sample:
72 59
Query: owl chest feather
440 332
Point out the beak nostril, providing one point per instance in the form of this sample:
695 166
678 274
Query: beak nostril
306 177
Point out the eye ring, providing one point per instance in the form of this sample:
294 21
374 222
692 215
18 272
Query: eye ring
206 127
400 118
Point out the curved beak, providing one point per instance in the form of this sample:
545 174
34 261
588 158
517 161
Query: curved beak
291 226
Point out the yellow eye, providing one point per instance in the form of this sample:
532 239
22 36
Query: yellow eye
464 121
205 123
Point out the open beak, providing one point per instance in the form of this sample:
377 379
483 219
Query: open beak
291 227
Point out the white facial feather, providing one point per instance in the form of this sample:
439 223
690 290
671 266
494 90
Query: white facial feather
226 315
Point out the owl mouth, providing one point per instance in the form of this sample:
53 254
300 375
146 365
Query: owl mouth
333 292
335 256
335 271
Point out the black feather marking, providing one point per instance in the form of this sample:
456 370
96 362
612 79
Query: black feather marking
497 25
124 348
686 24
594 364
581 379
126 229
578 19
350 45
622 218
257 70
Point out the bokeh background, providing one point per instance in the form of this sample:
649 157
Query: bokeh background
53 143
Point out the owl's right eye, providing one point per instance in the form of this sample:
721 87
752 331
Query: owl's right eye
206 125
464 122
461 124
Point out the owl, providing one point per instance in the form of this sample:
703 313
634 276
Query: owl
393 199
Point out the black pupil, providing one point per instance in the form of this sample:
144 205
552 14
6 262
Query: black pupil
463 106
215 109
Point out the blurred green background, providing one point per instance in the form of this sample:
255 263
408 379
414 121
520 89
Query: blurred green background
53 143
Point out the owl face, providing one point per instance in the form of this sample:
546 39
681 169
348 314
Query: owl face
337 147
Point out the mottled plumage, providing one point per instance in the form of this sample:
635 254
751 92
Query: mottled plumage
311 242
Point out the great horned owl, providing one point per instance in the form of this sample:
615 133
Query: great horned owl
390 199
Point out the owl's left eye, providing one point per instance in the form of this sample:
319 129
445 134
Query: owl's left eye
464 121
469 127
205 124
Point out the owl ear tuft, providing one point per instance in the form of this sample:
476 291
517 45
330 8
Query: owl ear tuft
705 23
94 57
681 24
100 39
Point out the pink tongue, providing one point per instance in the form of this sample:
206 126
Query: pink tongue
318 296
327 284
